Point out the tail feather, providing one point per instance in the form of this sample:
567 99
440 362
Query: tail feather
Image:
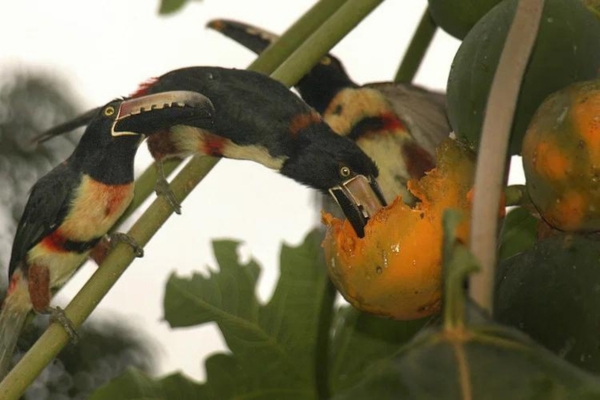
12 318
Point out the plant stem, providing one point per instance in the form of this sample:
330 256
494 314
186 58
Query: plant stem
323 339
279 51
55 338
515 195
491 161
144 187
325 37
416 49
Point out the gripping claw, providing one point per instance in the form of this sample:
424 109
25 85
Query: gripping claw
125 238
58 315
162 188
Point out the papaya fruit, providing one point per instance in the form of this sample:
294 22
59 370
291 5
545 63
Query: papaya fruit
566 51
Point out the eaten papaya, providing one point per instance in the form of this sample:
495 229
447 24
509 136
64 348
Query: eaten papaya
395 269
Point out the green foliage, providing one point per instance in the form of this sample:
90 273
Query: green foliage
277 348
171 6
519 232
565 52
482 362
134 384
552 293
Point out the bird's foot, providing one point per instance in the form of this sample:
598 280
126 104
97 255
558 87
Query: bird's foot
163 189
58 315
125 238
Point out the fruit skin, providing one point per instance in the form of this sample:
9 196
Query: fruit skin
566 51
550 292
395 270
457 17
561 158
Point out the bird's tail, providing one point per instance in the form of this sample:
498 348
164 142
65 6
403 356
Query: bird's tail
14 311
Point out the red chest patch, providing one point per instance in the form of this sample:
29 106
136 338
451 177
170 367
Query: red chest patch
115 195
55 241
213 145
391 122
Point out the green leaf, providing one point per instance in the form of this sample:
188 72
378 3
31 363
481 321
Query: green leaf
519 233
552 293
359 339
273 345
135 384
170 6
482 362
227 297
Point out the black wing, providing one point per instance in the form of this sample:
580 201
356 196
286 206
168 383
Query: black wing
46 208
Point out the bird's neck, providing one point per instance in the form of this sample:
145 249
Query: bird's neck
111 165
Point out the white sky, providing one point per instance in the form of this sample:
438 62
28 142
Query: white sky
106 47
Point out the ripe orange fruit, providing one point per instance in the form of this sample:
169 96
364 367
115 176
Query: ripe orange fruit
395 270
561 158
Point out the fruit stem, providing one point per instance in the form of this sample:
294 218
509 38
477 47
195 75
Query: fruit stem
491 161
458 263
516 195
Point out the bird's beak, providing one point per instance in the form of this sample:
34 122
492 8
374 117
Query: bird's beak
359 197
252 37
155 112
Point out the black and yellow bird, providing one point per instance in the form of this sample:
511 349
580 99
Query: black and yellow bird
398 125
71 208
259 119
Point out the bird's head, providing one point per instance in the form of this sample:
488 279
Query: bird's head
336 166
114 131
138 116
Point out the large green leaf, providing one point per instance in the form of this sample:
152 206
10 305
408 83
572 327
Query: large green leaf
484 362
273 345
135 384
359 339
296 346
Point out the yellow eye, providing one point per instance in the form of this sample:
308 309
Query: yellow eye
326 60
108 111
345 172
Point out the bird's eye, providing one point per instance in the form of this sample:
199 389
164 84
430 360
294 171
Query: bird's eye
345 172
108 111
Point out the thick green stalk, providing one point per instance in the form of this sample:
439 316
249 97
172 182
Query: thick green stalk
54 339
325 37
416 49
491 162
279 51
144 186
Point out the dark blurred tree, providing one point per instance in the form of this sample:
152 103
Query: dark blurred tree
30 103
